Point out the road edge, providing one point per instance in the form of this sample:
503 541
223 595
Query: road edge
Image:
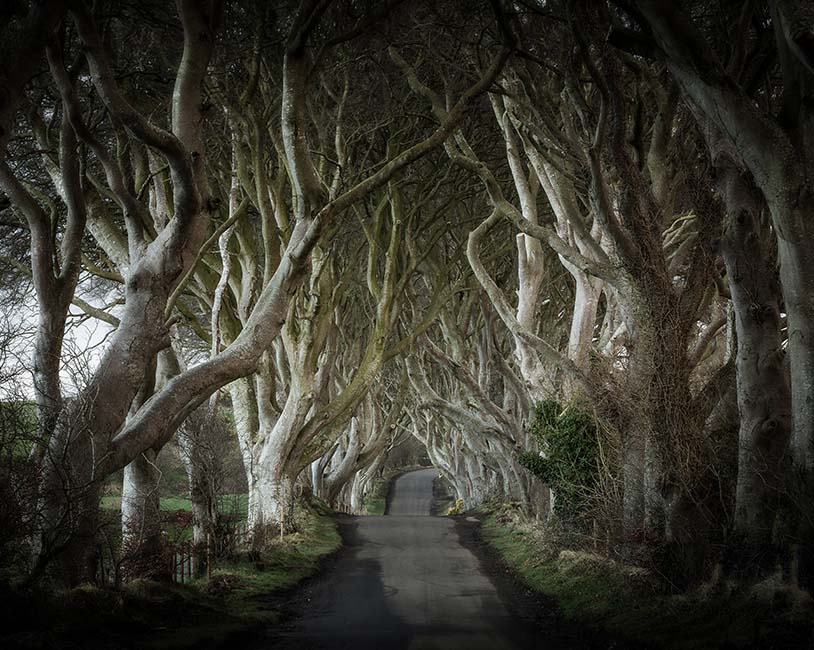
527 603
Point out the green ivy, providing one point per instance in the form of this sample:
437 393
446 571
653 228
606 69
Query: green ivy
568 462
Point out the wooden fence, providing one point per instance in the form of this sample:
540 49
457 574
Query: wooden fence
232 537
235 536
182 562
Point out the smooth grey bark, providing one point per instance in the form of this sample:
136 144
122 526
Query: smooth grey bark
776 152
141 519
764 397
79 452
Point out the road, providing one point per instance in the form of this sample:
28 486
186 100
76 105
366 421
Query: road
412 495
406 583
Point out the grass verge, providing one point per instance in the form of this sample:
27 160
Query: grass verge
237 504
629 603
243 595
376 499
247 586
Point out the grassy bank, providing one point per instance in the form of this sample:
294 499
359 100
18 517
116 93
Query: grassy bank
630 603
376 499
246 585
243 594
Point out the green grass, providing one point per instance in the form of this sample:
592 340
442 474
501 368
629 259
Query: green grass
157 616
628 603
284 564
375 504
376 500
238 503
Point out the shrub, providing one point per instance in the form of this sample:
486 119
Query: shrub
568 458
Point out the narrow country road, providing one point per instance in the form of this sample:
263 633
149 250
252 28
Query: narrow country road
406 583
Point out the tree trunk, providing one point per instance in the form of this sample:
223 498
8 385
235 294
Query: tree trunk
583 321
271 502
142 547
762 380
357 493
797 279
75 464
201 469
47 357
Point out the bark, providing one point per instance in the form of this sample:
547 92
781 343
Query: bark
583 322
142 547
271 504
762 377
347 466
776 154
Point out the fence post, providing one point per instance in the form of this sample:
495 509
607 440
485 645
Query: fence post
101 564
208 555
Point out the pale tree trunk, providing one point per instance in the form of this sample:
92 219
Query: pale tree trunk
586 299
587 290
318 474
476 479
271 501
271 507
530 258
47 361
142 548
357 493
346 467
142 542
363 482
244 410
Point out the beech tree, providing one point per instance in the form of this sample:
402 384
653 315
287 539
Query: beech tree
769 145
163 238
336 225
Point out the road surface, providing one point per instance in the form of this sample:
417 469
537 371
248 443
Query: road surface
406 583
412 495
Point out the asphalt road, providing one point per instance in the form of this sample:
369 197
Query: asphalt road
405 583
412 494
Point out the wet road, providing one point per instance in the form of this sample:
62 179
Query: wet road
406 583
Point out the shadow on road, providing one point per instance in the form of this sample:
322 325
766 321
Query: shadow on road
405 581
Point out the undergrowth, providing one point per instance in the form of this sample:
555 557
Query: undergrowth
145 614
631 603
